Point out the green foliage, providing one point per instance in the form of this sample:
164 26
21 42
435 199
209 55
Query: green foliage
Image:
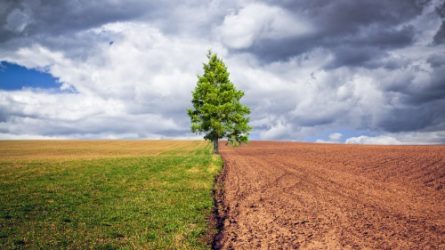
217 110
154 202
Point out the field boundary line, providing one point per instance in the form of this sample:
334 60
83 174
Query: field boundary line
219 212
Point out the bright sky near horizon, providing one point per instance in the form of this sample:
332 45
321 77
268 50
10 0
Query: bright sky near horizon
354 71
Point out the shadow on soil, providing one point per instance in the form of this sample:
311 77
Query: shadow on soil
219 212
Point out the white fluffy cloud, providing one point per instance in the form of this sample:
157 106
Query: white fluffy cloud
259 21
138 86
383 139
335 136
410 138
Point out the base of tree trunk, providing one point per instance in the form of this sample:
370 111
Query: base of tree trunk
215 147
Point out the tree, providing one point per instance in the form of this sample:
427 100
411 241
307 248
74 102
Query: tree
217 110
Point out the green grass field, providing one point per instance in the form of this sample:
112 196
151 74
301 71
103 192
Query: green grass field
106 195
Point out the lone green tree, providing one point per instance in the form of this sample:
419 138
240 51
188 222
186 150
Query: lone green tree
217 110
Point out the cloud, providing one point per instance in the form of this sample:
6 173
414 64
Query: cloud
384 140
279 130
439 37
374 26
332 138
17 21
121 89
335 136
409 138
127 69
240 30
75 115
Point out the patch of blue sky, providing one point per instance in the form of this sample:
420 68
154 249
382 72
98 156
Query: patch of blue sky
254 135
345 134
17 77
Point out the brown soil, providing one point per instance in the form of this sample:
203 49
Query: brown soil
282 195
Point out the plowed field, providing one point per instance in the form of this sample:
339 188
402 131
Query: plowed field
281 195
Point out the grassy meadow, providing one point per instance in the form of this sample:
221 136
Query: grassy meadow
106 194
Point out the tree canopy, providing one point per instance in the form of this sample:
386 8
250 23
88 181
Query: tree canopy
217 111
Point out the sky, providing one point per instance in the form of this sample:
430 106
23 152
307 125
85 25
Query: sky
344 71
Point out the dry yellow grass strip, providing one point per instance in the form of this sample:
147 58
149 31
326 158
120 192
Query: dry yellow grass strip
90 149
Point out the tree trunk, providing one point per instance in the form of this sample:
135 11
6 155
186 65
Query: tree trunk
215 146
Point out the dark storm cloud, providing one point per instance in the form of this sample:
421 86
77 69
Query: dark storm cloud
363 34
420 103
357 25
53 17
413 118
63 25
440 35
25 18
368 47
59 24
346 17
3 115
354 56
308 121
417 92
431 90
